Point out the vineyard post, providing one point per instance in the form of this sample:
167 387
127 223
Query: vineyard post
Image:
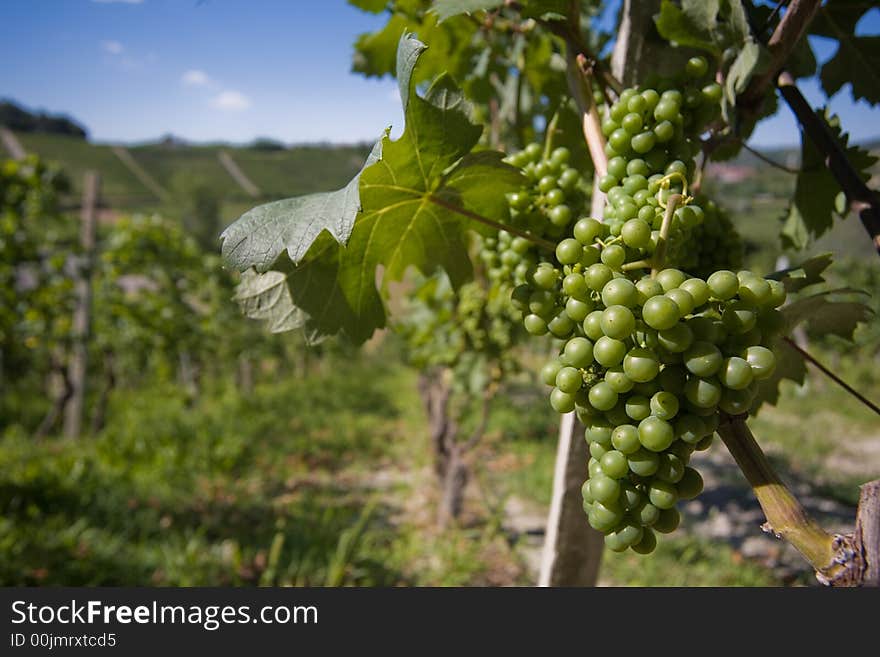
78 368
572 549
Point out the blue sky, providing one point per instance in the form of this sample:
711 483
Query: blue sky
132 70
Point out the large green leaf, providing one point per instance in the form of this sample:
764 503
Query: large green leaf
372 6
265 232
266 297
710 25
416 204
812 209
449 8
803 275
857 63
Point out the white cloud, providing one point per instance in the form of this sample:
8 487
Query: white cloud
195 78
123 2
113 47
232 101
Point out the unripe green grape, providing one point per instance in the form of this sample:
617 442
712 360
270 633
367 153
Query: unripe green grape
619 140
671 468
599 431
604 489
739 317
638 407
560 155
631 498
636 234
535 325
597 451
519 298
603 518
560 215
546 183
761 360
671 279
542 302
614 464
550 370
643 142
660 313
629 535
632 123
625 439
703 359
643 462
703 393
755 291
598 275
641 365
533 151
592 326
634 183
668 521
676 339
698 289
602 396
690 428
569 251
664 405
554 197
576 287
561 402
613 256
648 287
578 310
617 168
619 292
690 485
608 126
617 415
696 67
651 98
545 277
666 110
723 285
568 179
705 443
777 294
590 256
647 544
736 373
569 379
578 352
615 542
655 434
561 326
586 230
618 380
618 322
736 402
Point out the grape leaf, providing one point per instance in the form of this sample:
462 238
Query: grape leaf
803 275
266 297
371 6
823 314
263 233
832 312
856 62
709 25
449 8
811 211
414 203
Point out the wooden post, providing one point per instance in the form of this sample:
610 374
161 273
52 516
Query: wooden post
867 534
82 315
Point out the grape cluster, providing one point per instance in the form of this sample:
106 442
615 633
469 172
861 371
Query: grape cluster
652 357
545 207
650 364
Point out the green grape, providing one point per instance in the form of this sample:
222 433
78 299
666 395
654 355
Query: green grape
618 322
637 407
586 230
569 379
618 380
676 339
562 402
625 439
648 514
535 325
614 464
655 434
576 310
643 462
682 299
647 544
597 451
690 428
598 275
664 405
647 287
607 351
569 251
602 396
578 352
592 326
761 360
703 359
660 313
561 326
668 521
641 365
736 373
702 393
619 292
723 285
690 485
698 289
739 317
550 370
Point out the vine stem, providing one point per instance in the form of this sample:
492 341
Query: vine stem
831 375
579 73
659 257
832 556
551 131
534 239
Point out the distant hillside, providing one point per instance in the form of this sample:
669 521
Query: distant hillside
176 168
19 119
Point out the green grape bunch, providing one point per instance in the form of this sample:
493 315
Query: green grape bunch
653 357
545 207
